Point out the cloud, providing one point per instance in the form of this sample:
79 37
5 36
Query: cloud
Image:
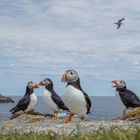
40 37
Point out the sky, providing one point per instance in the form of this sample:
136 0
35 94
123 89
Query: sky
44 38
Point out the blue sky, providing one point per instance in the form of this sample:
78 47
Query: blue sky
44 38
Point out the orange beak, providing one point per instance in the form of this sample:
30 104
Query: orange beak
114 81
36 86
63 78
40 83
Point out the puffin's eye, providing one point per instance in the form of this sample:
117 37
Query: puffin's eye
31 82
71 73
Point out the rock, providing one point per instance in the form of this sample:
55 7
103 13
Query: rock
133 115
31 112
27 123
4 99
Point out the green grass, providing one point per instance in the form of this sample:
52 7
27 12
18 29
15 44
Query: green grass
114 133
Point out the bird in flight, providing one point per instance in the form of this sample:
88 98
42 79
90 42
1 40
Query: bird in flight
119 23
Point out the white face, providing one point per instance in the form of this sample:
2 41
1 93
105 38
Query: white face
118 83
45 82
70 76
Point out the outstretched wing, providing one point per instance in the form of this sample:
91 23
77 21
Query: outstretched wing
121 20
118 26
21 105
59 102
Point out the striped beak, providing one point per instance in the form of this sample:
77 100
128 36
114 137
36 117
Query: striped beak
41 83
36 85
63 78
114 83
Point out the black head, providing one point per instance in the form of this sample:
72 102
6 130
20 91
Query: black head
47 83
30 86
70 76
118 84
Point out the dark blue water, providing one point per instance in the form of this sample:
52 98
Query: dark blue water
103 108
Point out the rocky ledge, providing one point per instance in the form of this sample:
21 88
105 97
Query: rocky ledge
133 115
27 123
5 99
38 123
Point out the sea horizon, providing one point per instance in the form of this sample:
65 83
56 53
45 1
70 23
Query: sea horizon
103 108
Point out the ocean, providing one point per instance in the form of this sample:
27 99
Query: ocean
103 108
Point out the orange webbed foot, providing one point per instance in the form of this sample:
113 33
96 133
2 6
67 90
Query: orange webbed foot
52 117
81 119
69 118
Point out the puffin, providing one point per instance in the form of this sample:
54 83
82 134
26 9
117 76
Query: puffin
74 96
51 98
127 97
28 101
119 23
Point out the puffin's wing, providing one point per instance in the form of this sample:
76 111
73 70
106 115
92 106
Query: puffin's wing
131 98
24 101
88 101
121 20
59 102
118 26
21 105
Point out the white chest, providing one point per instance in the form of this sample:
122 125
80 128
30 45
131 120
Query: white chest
33 101
75 101
48 100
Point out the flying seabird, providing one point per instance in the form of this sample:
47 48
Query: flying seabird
28 101
74 97
128 97
51 99
119 23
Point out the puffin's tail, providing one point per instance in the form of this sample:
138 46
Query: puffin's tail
88 112
65 108
137 104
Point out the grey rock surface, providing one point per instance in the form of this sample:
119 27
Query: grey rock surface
27 123
5 99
